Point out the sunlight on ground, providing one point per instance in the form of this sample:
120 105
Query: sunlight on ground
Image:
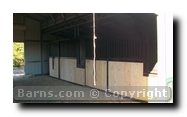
18 71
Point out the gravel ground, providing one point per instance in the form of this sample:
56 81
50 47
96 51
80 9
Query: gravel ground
56 85
18 71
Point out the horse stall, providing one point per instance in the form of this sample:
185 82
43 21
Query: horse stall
112 52
125 53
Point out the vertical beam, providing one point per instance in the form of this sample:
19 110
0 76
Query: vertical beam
41 49
107 68
24 42
59 59
78 31
75 32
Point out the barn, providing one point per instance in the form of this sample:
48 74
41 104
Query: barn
125 57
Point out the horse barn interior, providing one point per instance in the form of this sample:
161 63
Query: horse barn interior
61 46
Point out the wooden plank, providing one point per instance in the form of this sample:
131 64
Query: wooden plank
67 71
53 72
80 76
101 76
70 72
127 76
89 73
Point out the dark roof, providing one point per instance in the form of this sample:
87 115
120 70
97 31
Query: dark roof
62 24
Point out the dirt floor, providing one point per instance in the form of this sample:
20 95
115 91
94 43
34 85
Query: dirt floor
47 83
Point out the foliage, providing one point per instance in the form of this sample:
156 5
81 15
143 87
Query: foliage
18 54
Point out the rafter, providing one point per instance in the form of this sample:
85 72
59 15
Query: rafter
52 17
62 15
78 21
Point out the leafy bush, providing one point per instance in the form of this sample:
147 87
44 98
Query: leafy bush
18 57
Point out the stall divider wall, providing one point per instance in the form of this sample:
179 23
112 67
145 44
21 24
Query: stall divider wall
53 66
70 72
101 74
126 78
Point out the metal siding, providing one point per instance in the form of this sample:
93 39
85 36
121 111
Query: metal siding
33 68
68 49
46 67
45 57
18 19
53 49
18 36
45 51
32 51
48 37
33 29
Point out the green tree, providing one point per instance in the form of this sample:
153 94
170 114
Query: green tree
18 54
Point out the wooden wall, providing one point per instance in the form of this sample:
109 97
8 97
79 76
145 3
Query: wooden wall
127 76
70 72
101 74
122 76
53 72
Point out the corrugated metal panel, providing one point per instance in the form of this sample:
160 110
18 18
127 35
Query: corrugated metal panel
68 49
18 35
53 51
33 68
33 29
45 51
126 48
45 57
18 19
32 51
46 67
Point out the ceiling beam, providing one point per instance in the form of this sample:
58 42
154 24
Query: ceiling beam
62 15
39 15
26 15
139 20
78 21
52 18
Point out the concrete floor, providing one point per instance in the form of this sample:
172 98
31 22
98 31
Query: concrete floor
56 85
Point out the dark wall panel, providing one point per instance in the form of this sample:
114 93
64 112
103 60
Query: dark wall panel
32 58
53 49
68 48
115 47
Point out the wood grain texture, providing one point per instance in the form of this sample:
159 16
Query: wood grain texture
53 72
101 74
70 72
127 77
